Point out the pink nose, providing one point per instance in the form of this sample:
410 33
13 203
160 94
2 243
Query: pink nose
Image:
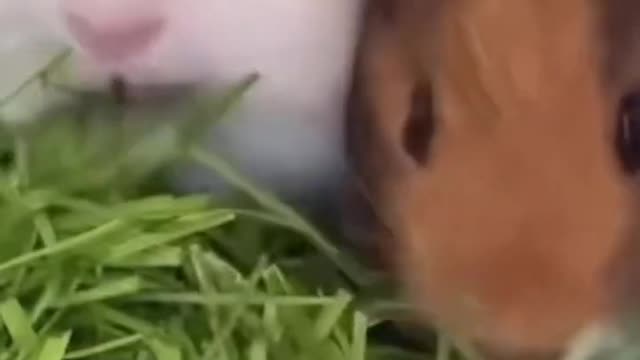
115 42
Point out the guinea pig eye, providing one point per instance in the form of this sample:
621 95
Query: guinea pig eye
419 128
628 133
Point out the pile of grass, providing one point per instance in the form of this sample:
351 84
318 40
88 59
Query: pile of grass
99 261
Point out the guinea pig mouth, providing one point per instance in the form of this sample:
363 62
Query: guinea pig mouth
126 93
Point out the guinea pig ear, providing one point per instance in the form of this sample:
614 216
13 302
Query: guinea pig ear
390 119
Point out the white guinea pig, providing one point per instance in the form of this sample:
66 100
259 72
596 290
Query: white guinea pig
287 133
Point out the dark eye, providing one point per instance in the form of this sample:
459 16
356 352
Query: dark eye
628 133
420 126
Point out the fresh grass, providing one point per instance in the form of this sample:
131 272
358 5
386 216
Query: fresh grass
99 261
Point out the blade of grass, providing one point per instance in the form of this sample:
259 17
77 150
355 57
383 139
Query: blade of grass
35 77
51 322
45 229
444 349
48 295
229 299
164 351
167 256
107 290
206 114
19 278
119 318
145 242
330 315
55 346
84 239
257 350
17 323
359 346
105 347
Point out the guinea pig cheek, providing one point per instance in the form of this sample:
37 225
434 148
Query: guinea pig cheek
475 270
450 304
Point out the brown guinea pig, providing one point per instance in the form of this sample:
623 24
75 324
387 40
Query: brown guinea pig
496 140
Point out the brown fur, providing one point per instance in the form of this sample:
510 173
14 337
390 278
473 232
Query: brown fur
508 233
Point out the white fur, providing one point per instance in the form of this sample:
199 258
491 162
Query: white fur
288 133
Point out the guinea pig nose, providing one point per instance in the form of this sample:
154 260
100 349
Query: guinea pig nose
116 41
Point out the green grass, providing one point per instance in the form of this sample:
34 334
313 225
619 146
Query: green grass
100 261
